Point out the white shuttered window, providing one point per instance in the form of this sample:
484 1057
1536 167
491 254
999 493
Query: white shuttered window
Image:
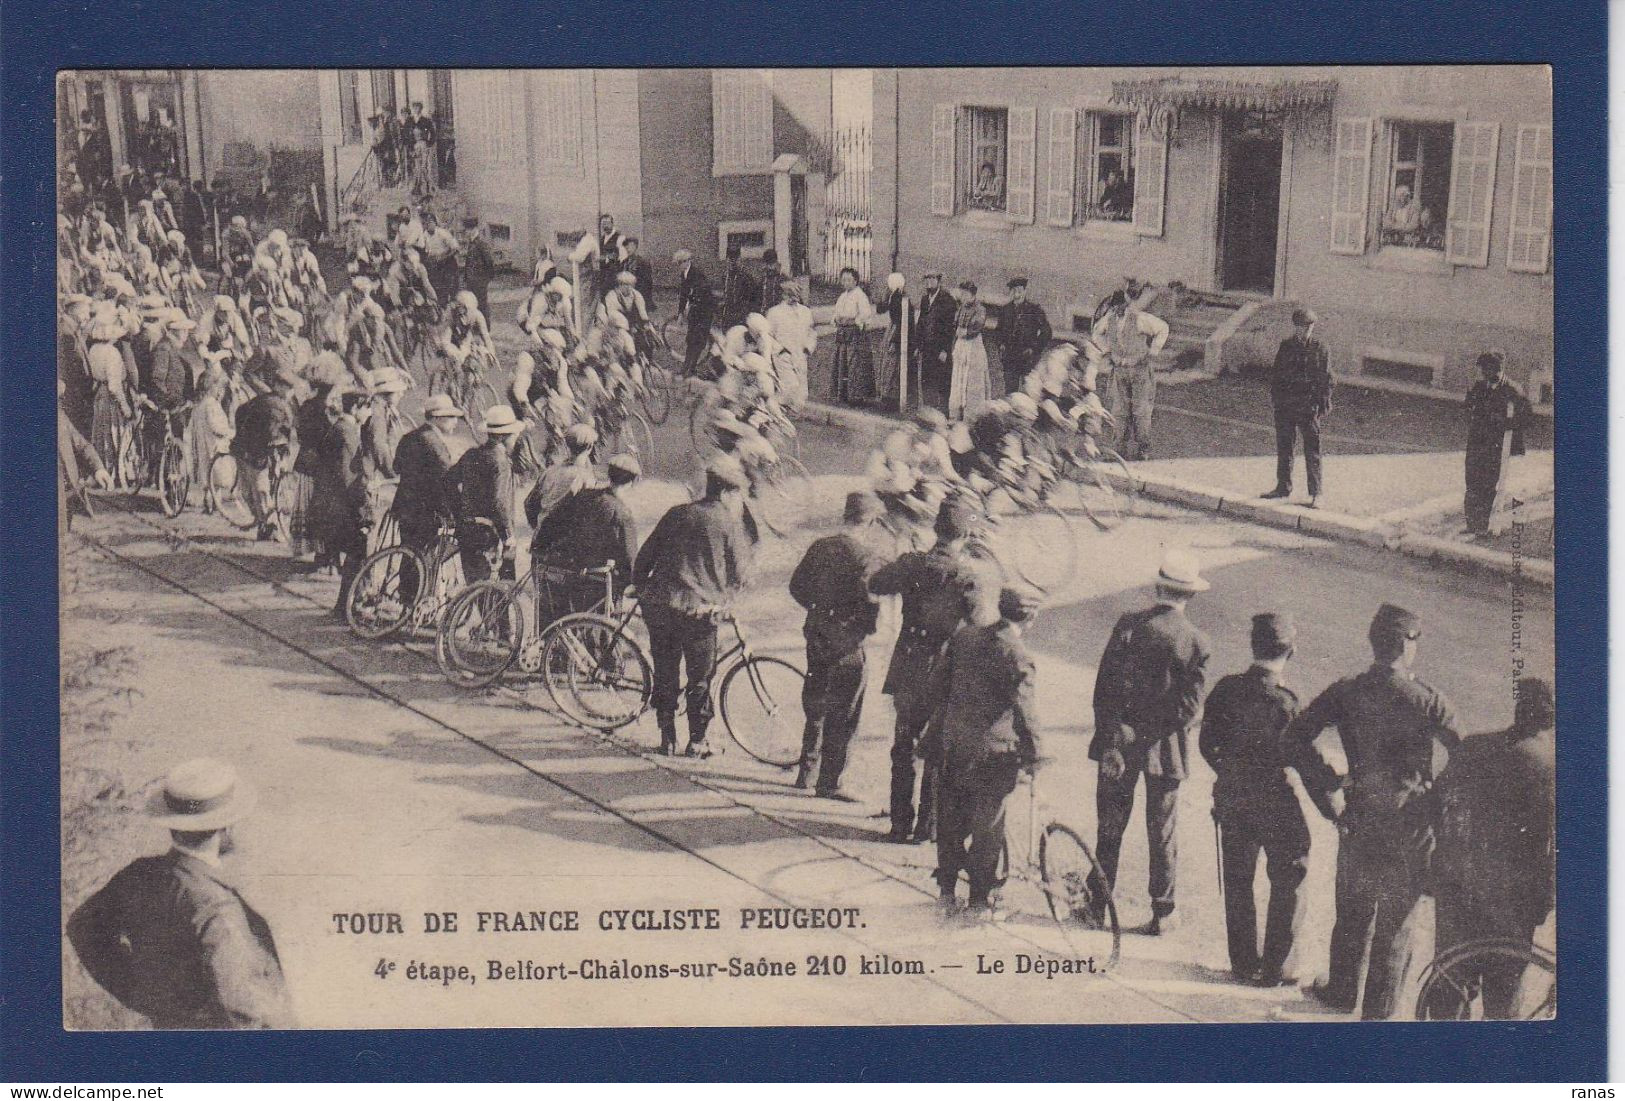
1529 236
1023 147
1472 192
558 122
741 120
1351 185
944 144
1063 137
1150 180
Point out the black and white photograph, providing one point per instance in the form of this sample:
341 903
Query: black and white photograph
805 546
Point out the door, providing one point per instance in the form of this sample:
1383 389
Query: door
445 125
797 260
1249 202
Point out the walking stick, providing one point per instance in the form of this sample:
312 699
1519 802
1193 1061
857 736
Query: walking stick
1218 853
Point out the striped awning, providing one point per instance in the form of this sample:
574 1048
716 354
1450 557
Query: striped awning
1170 93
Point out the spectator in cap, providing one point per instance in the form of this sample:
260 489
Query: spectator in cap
937 588
590 528
476 265
932 339
1397 734
1494 871
479 487
1129 339
170 936
1148 692
1254 806
697 304
832 583
854 362
421 507
1301 390
1022 335
1497 415
565 479
771 278
643 275
688 573
984 734
264 436
740 292
968 386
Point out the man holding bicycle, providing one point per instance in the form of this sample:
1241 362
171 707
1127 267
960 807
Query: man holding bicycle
264 436
588 529
422 459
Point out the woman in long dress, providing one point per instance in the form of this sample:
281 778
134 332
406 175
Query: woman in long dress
968 386
792 325
897 304
211 431
854 364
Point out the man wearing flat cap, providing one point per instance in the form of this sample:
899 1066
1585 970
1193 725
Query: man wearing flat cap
832 583
1495 869
169 936
1397 734
983 735
937 587
689 572
1148 690
1301 390
1496 417
1254 807
588 529
1023 334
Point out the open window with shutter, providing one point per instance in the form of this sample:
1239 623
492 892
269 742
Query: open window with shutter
1059 180
944 144
1021 203
1472 193
741 121
1529 236
1351 185
1150 179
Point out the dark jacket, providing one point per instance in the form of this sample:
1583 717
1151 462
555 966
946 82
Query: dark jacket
832 582
935 327
171 380
480 486
479 266
644 273
1148 690
173 941
312 425
1493 410
1242 723
696 560
1397 734
694 297
741 294
936 588
587 529
1024 332
1301 379
421 462
987 687
262 422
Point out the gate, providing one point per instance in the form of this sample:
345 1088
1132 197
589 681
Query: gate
848 165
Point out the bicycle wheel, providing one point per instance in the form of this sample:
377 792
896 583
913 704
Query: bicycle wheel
174 477
656 397
225 478
596 673
481 634
1041 547
761 709
1106 489
785 495
279 501
674 335
638 438
379 603
481 396
1079 898
1454 985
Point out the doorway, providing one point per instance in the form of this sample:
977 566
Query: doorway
1249 201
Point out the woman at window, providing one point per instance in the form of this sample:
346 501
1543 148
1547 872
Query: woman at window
854 365
968 386
989 191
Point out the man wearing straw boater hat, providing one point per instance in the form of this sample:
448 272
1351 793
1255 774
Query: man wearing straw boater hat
1148 691
422 459
480 489
169 936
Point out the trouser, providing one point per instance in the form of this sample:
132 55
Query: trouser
912 715
254 484
970 824
422 538
480 553
1379 895
1498 981
1483 482
699 336
482 295
832 700
1015 366
1290 423
1114 804
677 639
1276 826
1134 400
350 546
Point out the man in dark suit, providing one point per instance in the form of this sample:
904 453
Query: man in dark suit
1496 416
934 340
770 280
478 266
168 936
695 302
741 294
1254 807
984 735
1301 390
422 459
591 527
642 271
479 486
1148 690
1023 334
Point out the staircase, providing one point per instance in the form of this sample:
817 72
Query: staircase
1193 317
367 196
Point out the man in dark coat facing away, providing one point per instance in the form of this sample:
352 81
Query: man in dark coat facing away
421 506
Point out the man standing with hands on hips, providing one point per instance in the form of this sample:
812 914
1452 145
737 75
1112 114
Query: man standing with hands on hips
1301 390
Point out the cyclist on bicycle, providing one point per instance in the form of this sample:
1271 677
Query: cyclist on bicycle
464 339
223 330
407 283
276 247
627 302
237 249
1002 441
170 382
306 275
912 470
548 307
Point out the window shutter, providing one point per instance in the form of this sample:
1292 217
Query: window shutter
1351 185
943 117
1472 193
722 88
1063 145
1022 149
1529 237
1150 179
759 94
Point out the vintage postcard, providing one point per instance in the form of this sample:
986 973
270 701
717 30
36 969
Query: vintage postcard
745 547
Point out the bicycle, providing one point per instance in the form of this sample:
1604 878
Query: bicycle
175 461
380 606
1105 488
225 476
1036 541
623 428
467 384
488 628
600 677
1452 987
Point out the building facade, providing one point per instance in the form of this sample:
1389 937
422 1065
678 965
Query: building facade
1411 208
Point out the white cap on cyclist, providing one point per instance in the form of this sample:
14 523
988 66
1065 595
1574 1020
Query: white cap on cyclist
441 405
177 236
362 284
1023 406
756 323
388 380
177 321
289 316
468 301
277 237
581 436
754 362
626 279
559 285
500 421
551 337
